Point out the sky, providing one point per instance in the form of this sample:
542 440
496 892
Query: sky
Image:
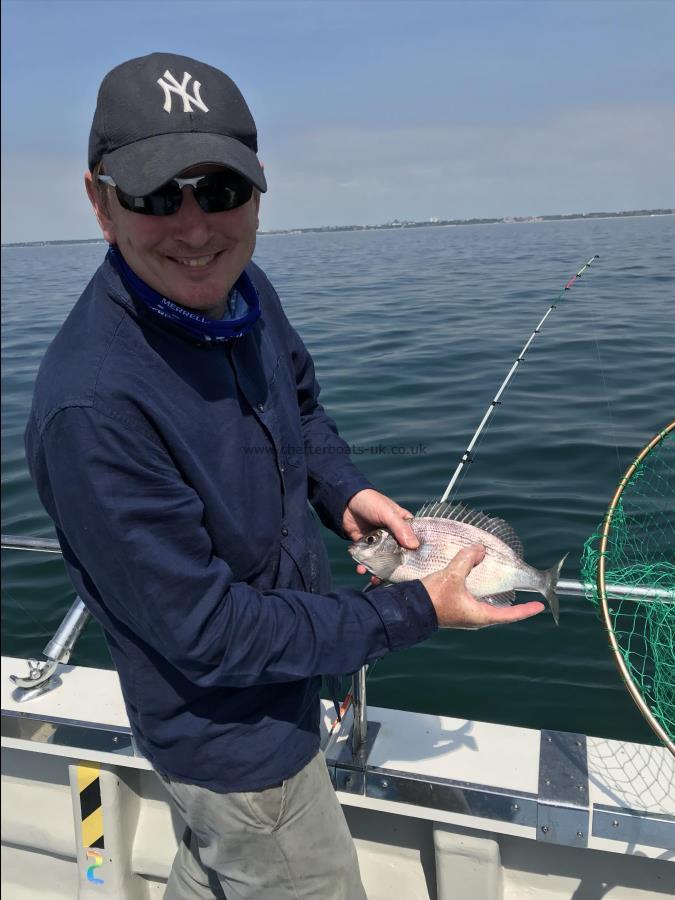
367 110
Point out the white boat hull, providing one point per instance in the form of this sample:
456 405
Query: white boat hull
444 807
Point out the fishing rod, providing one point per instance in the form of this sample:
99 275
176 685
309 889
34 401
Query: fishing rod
357 694
467 455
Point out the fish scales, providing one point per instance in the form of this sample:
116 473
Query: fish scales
442 533
441 539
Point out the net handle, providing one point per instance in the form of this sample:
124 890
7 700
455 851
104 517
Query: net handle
602 594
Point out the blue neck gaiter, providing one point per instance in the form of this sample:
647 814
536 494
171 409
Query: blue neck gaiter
243 304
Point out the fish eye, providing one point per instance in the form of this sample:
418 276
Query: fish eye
371 539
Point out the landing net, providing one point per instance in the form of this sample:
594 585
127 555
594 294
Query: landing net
634 550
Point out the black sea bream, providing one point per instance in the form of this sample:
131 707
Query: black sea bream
443 529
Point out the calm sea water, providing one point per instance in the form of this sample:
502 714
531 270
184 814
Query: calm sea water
412 331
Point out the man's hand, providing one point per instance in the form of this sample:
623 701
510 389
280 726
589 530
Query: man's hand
369 510
456 607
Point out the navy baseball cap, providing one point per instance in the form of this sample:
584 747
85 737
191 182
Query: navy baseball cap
160 114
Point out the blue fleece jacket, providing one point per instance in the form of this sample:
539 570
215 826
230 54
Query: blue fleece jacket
178 477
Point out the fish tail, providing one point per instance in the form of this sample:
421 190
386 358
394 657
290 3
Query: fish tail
550 583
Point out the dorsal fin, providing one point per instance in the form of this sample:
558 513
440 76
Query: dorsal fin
459 513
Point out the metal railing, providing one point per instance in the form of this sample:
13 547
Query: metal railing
42 673
60 647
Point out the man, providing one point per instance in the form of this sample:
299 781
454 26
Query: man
175 438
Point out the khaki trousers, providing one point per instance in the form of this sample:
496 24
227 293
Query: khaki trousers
285 843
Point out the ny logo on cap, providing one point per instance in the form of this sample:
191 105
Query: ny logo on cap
181 90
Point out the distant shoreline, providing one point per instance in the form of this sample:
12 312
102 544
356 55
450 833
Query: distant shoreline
515 220
398 224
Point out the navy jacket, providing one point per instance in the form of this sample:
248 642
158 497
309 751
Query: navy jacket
178 477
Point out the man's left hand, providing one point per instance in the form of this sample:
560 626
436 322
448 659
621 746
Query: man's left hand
369 510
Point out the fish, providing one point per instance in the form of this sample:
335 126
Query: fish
443 529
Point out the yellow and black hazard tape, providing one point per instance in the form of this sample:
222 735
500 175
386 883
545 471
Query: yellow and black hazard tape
91 810
89 784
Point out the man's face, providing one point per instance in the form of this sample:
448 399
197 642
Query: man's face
191 257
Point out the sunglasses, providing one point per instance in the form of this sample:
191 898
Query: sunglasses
215 192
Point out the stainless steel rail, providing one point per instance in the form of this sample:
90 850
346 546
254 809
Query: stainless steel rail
42 674
60 647
566 587
360 729
45 545
569 588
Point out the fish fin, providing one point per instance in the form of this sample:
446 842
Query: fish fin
460 513
506 598
550 583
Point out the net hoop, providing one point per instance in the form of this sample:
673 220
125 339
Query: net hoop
602 593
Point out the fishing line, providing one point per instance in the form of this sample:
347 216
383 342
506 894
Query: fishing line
468 455
41 545
612 424
24 609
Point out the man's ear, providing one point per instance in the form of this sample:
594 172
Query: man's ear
98 200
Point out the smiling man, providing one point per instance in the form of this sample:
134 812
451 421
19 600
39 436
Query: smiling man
193 258
166 442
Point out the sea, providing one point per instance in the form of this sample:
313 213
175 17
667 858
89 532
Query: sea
412 331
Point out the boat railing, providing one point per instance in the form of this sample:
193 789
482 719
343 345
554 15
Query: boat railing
42 674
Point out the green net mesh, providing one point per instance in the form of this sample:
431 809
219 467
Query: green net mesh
641 554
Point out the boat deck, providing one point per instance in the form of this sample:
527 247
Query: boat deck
439 802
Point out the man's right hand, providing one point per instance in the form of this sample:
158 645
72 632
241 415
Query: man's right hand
456 607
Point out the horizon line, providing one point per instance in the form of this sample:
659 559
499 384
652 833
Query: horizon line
403 223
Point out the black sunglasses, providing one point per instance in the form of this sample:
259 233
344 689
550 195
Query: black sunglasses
215 192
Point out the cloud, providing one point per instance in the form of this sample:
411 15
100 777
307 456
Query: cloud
43 199
579 160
